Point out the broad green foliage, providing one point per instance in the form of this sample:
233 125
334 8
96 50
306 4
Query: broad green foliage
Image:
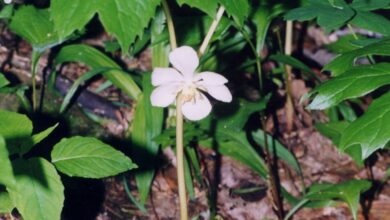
332 130
96 59
89 158
124 19
38 192
33 184
371 131
347 60
209 6
6 174
355 82
238 9
35 26
14 128
348 192
334 14
6 205
339 12
369 5
147 124
36 139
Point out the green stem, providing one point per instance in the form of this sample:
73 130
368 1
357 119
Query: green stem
211 31
258 59
180 160
34 62
171 27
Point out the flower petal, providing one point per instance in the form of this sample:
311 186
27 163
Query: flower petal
165 75
210 78
164 95
185 60
198 109
220 93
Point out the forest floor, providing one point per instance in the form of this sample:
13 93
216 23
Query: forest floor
319 159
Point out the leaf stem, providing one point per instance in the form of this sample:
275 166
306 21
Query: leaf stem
211 31
171 27
180 160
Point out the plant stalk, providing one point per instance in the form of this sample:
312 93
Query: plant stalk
274 183
180 160
171 27
211 31
34 62
288 69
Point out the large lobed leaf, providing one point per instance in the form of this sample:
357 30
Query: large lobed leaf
371 131
209 6
89 158
347 60
238 9
330 16
356 82
125 19
38 192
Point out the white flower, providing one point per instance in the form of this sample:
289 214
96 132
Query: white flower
182 79
7 1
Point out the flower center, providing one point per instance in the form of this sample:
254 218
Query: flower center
189 92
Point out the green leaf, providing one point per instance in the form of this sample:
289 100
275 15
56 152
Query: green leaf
348 192
73 89
292 61
371 131
238 9
354 83
35 26
15 129
6 174
209 6
147 124
372 21
124 19
7 11
235 145
96 59
71 15
281 151
345 61
6 205
3 81
238 120
328 16
369 5
38 192
344 44
332 130
89 158
36 139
